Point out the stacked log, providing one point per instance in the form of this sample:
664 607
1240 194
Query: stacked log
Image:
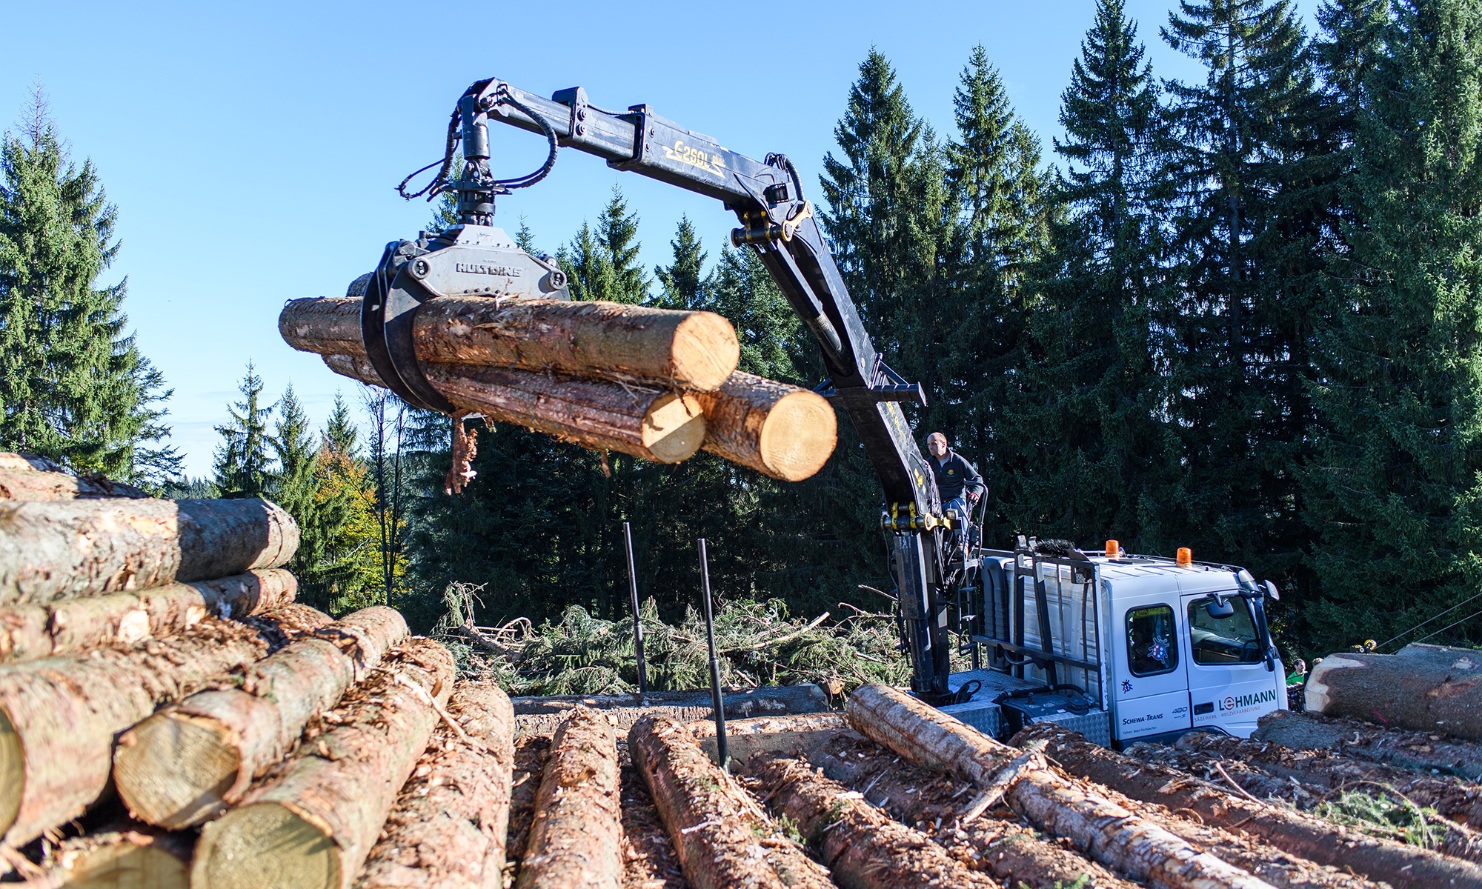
575 837
1422 687
653 383
1423 750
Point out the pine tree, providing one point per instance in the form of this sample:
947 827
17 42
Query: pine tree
75 386
293 486
340 434
1093 393
1394 492
242 466
682 283
617 236
346 574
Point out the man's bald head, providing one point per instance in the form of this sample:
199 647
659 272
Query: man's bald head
936 444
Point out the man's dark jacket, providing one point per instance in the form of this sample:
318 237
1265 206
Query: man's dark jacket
954 474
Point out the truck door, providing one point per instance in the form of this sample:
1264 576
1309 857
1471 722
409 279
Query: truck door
1152 687
1230 686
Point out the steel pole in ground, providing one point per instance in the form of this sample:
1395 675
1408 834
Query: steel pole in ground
637 623
715 695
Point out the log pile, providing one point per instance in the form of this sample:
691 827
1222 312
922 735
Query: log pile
652 383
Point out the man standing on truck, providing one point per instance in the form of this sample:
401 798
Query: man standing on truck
958 481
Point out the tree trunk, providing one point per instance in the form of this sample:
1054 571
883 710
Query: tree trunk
185 764
30 484
1461 801
640 421
59 716
447 829
312 822
576 837
864 848
120 859
1296 834
683 350
779 430
1423 687
721 837
1111 834
1425 751
93 547
28 632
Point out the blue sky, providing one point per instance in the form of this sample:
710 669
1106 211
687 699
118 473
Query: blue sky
252 149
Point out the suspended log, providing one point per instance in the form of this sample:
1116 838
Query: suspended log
130 858
1292 832
575 839
864 847
59 716
312 822
641 421
94 547
720 835
1423 687
185 764
30 484
779 430
1461 801
28 632
604 340
1426 751
1092 824
448 827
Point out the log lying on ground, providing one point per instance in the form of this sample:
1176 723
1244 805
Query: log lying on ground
93 547
185 764
30 484
802 736
1426 751
779 430
128 858
1423 687
685 350
1461 801
28 632
542 715
312 822
721 837
1094 825
576 836
59 716
639 420
1297 834
447 829
864 848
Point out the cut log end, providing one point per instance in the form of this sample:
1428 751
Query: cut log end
12 773
673 428
800 433
705 351
128 860
207 764
230 854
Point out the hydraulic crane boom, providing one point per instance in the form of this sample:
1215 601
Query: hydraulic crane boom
776 221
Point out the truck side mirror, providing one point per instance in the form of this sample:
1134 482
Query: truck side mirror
1271 592
1219 608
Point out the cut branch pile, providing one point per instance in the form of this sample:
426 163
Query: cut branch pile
652 383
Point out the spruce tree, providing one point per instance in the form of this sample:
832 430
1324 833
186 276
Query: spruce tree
617 236
1393 492
243 466
293 486
682 282
75 386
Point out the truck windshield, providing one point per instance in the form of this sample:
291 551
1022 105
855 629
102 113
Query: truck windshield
1223 640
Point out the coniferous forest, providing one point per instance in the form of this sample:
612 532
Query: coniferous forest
1240 313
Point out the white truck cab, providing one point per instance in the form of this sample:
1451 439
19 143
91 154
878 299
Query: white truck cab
1121 648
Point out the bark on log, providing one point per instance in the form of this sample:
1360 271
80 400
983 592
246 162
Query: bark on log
1461 801
863 847
1423 687
685 350
12 461
1426 751
185 764
721 837
59 716
29 484
779 430
1111 834
447 829
136 858
312 822
81 548
542 715
638 420
28 632
576 837
1297 834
